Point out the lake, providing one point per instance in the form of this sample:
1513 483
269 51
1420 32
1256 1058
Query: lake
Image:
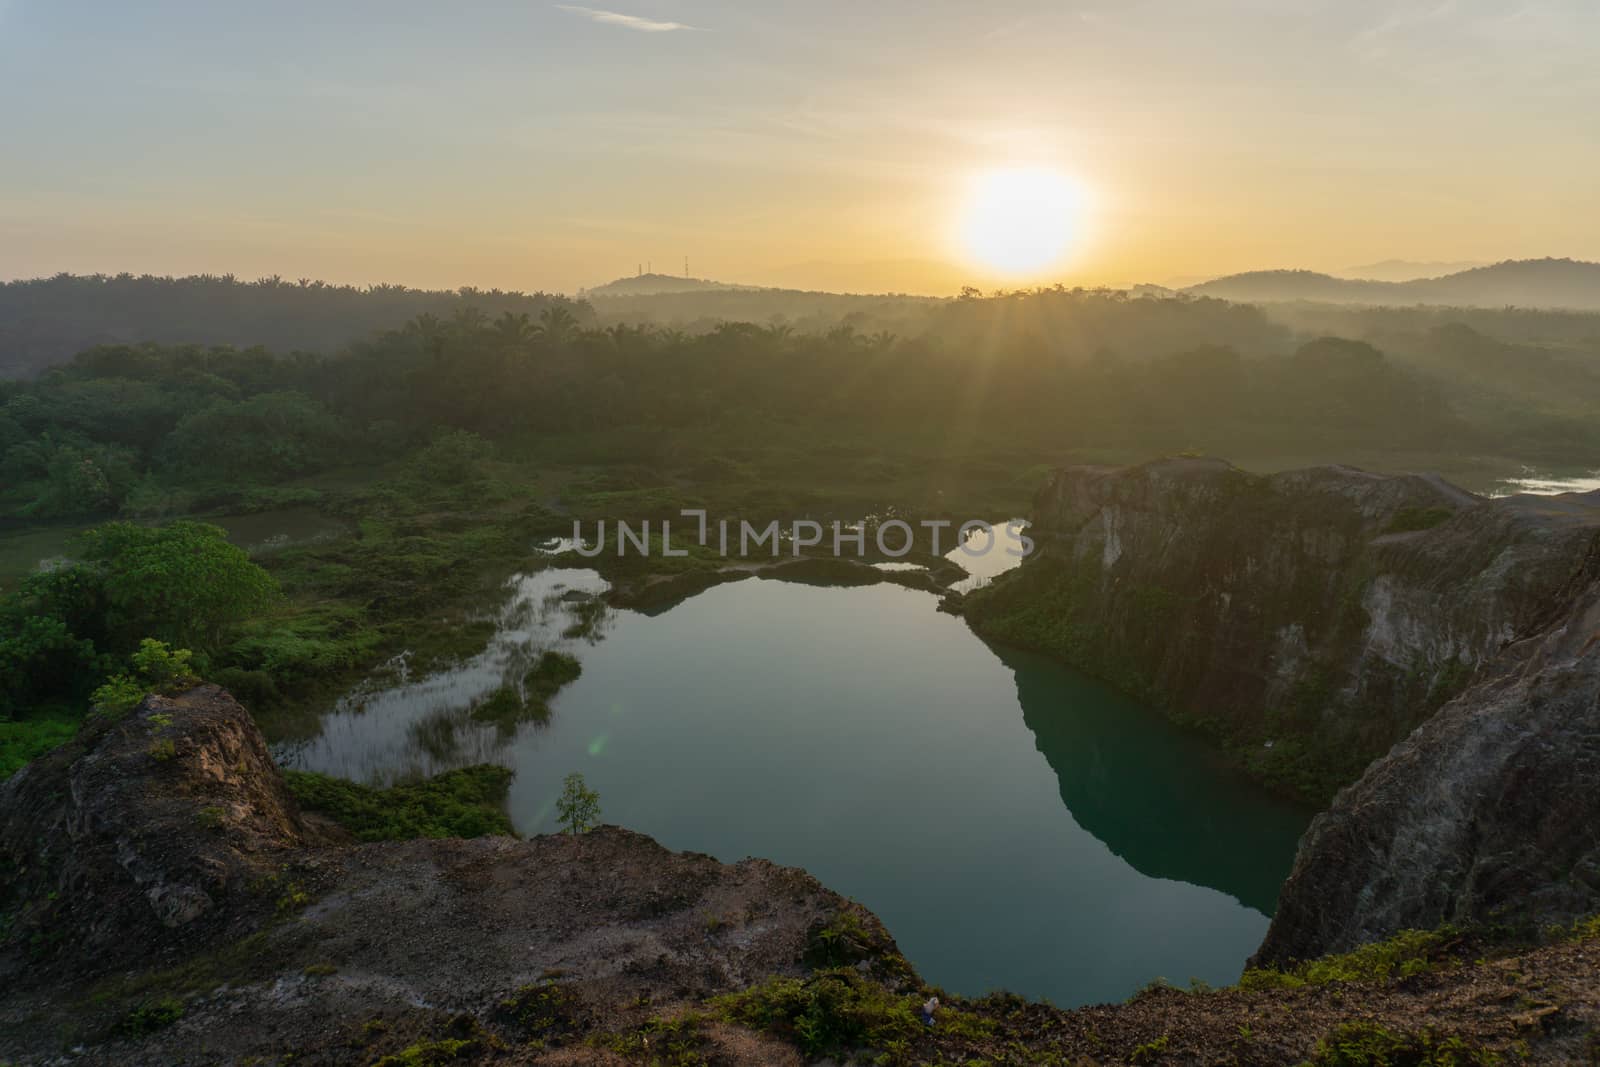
1541 483
1015 824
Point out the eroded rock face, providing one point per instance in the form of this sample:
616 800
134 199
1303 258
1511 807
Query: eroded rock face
124 844
1489 812
1296 609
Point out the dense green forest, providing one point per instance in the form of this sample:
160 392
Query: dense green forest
148 430
444 445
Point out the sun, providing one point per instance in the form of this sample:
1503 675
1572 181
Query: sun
1021 220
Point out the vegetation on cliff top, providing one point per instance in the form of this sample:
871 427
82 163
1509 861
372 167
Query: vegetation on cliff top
468 802
129 593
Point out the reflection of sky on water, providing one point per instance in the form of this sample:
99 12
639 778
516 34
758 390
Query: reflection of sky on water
426 726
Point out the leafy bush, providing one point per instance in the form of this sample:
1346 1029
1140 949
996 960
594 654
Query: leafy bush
161 666
119 694
183 583
1364 1044
469 802
1401 956
149 1017
156 667
40 658
578 806
830 1011
434 1053
24 740
452 458
268 437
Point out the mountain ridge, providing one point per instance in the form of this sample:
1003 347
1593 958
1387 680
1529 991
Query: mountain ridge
1547 282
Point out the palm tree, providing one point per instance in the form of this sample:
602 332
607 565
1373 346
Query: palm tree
513 329
557 325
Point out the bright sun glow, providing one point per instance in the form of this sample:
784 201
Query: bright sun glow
1021 220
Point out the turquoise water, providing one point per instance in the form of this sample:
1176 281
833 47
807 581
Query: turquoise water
1015 824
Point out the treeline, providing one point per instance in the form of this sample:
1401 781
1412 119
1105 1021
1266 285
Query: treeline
45 321
121 428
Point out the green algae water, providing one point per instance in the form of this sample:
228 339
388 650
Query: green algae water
1015 824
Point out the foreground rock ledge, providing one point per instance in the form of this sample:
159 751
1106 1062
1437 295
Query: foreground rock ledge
159 863
169 842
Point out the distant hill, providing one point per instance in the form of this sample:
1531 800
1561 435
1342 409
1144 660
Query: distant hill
46 321
658 284
1405 270
1551 283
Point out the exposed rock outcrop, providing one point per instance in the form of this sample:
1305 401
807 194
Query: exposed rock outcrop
129 843
1489 812
1311 618
1314 619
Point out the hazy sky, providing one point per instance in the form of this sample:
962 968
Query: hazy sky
825 143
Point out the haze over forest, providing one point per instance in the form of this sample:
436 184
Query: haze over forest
1147 460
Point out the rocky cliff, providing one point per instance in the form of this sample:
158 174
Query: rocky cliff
1309 619
1490 812
1315 619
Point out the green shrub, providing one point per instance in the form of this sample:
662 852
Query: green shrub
543 1011
161 666
1364 1044
675 1042
1150 1051
434 1053
151 1016
24 740
578 806
1401 956
119 694
155 668
830 1011
452 458
469 802
846 939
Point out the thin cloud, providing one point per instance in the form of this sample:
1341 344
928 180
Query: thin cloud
631 22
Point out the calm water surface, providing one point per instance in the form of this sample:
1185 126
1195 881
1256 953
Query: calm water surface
1547 484
1015 824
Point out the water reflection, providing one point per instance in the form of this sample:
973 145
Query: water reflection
394 726
1157 798
984 565
1542 484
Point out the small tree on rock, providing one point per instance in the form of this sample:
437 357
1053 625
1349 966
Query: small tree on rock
579 806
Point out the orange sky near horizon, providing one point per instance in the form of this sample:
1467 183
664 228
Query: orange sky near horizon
829 145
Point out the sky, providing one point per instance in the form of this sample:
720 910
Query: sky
825 144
